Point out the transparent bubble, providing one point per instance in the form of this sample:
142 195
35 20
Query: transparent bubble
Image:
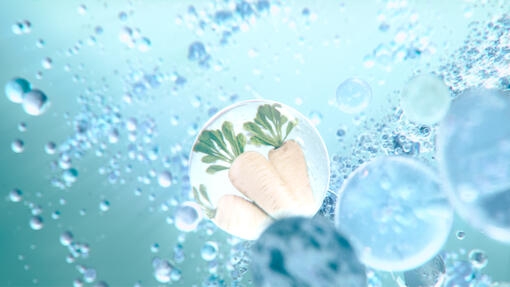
478 258
66 238
89 275
22 127
144 44
47 63
425 99
104 205
35 103
353 95
209 251
165 179
175 275
17 28
70 175
300 251
162 270
402 201
155 248
18 146
16 88
50 148
15 195
82 9
473 148
460 235
187 216
36 222
123 16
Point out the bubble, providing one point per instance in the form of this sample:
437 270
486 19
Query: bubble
175 275
22 127
402 202
144 44
50 148
300 251
89 275
123 16
70 175
425 99
353 96
18 146
36 222
66 238
187 216
155 248
209 251
473 148
82 9
104 205
478 258
197 53
35 103
47 63
460 235
162 270
16 88
165 179
17 28
430 274
15 195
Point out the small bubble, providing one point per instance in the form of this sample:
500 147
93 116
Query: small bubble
187 216
66 238
70 175
144 44
82 9
17 28
89 275
47 63
18 146
155 248
36 222
461 235
50 148
15 195
209 251
123 16
104 205
353 96
22 127
478 258
165 179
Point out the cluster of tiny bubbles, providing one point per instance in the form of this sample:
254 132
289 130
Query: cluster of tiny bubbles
483 59
473 148
213 280
401 198
410 39
21 27
430 274
133 38
164 271
282 255
353 95
328 206
17 146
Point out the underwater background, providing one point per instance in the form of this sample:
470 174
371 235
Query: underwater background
92 174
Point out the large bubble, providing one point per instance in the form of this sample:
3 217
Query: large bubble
300 251
474 156
35 103
16 88
353 95
395 213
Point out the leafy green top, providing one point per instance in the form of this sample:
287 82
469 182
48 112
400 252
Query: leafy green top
207 206
214 144
267 127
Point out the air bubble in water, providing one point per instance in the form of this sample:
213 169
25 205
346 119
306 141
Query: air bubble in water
15 195
104 205
425 99
50 148
70 175
36 222
430 274
399 198
66 238
35 103
47 63
16 88
461 235
89 275
165 179
187 216
18 146
353 95
209 251
478 258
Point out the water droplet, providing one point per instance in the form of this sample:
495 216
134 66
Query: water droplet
16 88
35 103
36 222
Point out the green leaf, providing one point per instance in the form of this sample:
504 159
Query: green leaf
241 139
215 168
203 192
196 196
209 159
228 131
290 126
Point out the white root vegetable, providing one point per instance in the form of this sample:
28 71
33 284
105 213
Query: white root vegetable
240 217
290 163
255 177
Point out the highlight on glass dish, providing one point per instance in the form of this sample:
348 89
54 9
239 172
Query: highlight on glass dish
255 162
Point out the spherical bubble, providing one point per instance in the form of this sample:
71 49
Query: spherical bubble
430 274
50 148
104 205
460 235
66 238
478 258
473 150
22 127
16 88
18 146
298 251
47 63
36 222
89 275
187 216
165 179
35 103
395 213
144 44
209 251
175 275
17 28
425 99
353 95
15 195
162 270
70 175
